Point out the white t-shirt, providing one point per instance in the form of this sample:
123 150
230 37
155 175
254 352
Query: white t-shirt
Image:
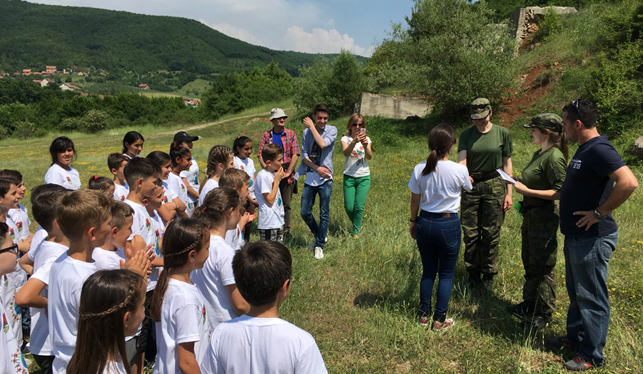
262 345
11 283
120 192
440 189
113 367
66 178
65 283
11 360
142 225
210 185
192 176
108 260
183 320
235 238
270 216
40 341
248 166
181 191
213 279
38 237
355 165
21 218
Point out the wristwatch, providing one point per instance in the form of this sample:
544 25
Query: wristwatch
598 215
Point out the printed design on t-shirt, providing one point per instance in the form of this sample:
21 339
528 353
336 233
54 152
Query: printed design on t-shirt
358 153
12 233
251 183
148 225
122 197
203 313
157 248
5 280
190 205
241 167
19 363
17 310
183 187
165 200
69 180
196 180
314 155
278 201
575 164
19 226
5 324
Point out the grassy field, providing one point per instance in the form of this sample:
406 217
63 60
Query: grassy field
360 301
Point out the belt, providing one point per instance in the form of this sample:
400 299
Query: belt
481 176
426 214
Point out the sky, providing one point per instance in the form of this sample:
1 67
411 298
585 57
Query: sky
313 26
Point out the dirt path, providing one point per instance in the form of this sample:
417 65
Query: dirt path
522 98
204 125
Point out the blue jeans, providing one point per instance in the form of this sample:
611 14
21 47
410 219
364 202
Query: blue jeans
588 317
308 200
438 239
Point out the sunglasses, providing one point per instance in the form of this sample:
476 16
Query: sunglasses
575 105
358 124
13 248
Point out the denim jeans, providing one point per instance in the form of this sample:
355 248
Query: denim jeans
308 200
588 317
438 239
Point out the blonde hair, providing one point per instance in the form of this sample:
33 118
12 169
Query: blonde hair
219 154
79 211
234 178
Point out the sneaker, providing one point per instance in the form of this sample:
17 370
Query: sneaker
319 253
557 344
441 326
579 364
521 310
424 319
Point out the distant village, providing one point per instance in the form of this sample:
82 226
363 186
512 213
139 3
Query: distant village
51 70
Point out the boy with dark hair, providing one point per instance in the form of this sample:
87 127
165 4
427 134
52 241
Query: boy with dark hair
317 164
45 200
19 215
116 163
261 342
271 207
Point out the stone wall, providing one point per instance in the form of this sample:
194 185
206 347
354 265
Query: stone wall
524 19
392 106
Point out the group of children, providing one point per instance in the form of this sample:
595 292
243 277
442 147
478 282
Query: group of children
150 266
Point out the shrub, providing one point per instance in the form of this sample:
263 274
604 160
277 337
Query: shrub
25 129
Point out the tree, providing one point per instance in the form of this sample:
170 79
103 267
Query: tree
338 85
450 52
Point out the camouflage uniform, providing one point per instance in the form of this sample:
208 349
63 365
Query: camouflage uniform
482 215
545 171
539 249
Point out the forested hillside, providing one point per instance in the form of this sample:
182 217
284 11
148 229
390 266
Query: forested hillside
34 35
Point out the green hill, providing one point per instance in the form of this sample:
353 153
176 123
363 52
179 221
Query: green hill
34 35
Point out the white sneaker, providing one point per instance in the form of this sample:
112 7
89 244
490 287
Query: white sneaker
319 253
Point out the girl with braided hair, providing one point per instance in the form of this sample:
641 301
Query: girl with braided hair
105 321
220 158
178 308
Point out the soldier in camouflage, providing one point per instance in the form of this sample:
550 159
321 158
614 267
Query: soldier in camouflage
541 180
483 149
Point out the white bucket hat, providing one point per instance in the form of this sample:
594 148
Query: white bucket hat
277 113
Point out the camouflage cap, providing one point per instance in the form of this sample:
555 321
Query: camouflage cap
480 108
549 121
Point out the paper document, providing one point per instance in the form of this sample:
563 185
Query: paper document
505 176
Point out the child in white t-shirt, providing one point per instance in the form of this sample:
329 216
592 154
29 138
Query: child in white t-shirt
178 308
220 211
116 163
172 206
11 360
271 207
61 173
109 318
19 215
239 181
261 342
181 161
44 202
191 175
242 161
220 158
110 255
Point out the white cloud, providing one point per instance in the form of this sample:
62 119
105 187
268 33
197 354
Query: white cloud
322 41
235 32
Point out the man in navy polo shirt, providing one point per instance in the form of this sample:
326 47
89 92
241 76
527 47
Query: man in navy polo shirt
597 182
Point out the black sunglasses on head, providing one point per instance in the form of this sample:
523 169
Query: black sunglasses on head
13 248
575 105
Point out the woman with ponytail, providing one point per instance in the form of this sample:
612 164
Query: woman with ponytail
541 181
435 188
178 308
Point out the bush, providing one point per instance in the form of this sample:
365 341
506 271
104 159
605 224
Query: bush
338 85
551 24
95 121
24 129
451 52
